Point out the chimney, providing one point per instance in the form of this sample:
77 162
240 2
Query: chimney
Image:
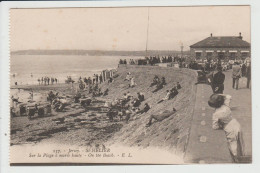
240 36
210 34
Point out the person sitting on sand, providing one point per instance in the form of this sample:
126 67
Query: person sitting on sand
178 85
129 95
163 83
167 97
160 85
125 96
161 116
106 92
156 80
59 104
128 114
136 103
111 114
77 97
125 99
50 96
128 76
15 101
140 96
146 108
174 92
132 83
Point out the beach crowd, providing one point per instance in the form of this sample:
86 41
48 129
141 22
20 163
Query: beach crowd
130 107
47 80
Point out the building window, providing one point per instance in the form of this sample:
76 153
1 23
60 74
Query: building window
232 55
244 55
198 55
221 55
209 54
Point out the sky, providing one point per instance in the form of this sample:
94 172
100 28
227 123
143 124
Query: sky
125 28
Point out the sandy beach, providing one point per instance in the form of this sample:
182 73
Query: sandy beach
91 127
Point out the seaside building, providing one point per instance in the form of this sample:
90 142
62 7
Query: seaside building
223 48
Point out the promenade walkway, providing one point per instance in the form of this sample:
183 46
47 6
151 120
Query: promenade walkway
241 108
206 145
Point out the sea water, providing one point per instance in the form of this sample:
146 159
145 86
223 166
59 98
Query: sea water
27 69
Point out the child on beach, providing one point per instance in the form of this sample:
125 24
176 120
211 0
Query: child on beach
31 96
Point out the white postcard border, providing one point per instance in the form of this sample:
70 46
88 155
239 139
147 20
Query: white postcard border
4 88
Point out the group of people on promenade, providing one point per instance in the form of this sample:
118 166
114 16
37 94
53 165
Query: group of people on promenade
222 117
47 80
238 71
215 76
152 60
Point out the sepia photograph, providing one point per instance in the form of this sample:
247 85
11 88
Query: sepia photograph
130 85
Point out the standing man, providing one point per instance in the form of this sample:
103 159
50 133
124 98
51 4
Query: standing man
236 74
243 70
218 81
48 80
100 78
97 78
248 74
94 78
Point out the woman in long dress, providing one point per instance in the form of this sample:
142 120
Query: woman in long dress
222 119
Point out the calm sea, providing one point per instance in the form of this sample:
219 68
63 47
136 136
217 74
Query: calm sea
26 69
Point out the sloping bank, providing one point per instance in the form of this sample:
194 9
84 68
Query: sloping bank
170 134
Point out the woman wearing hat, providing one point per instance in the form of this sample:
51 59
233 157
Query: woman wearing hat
218 81
222 119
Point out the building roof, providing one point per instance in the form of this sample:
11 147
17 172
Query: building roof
222 42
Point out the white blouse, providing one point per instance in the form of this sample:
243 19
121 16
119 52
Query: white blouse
222 116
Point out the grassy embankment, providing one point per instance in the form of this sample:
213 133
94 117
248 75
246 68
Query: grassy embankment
171 133
83 127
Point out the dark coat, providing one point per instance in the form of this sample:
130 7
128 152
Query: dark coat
218 82
218 78
248 72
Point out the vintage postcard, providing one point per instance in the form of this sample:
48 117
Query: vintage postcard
130 85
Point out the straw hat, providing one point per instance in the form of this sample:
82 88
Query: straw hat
216 100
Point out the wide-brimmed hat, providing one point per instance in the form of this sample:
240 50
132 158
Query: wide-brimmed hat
216 100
